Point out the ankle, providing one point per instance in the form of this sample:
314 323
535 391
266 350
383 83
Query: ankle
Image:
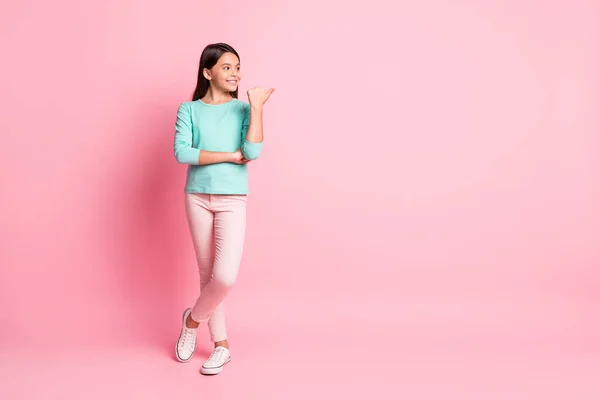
190 323
222 343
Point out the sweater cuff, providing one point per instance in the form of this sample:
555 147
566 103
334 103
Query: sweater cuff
251 150
193 156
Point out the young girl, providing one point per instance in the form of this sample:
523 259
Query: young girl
216 135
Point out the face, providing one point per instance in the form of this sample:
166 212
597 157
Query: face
226 74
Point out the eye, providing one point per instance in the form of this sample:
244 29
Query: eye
225 67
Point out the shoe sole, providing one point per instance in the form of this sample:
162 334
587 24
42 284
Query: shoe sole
214 371
183 360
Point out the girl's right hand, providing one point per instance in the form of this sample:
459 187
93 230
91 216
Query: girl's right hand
238 158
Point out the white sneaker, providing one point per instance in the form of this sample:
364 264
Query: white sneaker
186 344
214 365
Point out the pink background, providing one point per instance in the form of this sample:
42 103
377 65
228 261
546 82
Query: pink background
423 222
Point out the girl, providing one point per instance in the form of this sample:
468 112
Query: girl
216 135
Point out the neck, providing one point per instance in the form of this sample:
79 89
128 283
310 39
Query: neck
214 96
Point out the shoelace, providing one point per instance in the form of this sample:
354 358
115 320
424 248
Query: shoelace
188 337
217 356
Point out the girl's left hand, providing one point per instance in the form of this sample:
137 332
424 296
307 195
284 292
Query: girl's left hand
258 96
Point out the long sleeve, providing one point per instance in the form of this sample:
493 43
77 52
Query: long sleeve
250 150
182 147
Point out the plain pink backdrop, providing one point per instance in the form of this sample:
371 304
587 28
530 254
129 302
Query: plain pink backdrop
423 220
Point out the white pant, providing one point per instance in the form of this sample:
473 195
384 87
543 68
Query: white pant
217 225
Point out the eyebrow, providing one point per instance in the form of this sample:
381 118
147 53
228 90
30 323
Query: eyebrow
229 64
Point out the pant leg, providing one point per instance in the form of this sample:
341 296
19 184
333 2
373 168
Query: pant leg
201 223
229 236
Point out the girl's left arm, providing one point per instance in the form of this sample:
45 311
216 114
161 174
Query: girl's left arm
252 133
252 140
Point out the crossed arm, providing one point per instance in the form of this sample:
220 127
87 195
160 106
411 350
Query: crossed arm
252 138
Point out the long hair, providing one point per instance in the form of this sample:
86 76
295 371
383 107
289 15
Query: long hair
208 59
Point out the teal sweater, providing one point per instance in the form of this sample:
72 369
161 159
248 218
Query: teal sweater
214 127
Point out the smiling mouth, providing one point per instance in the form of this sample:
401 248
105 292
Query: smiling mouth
233 82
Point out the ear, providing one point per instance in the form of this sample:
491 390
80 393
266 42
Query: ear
206 73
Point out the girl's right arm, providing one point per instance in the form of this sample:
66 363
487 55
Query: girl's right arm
182 147
213 157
